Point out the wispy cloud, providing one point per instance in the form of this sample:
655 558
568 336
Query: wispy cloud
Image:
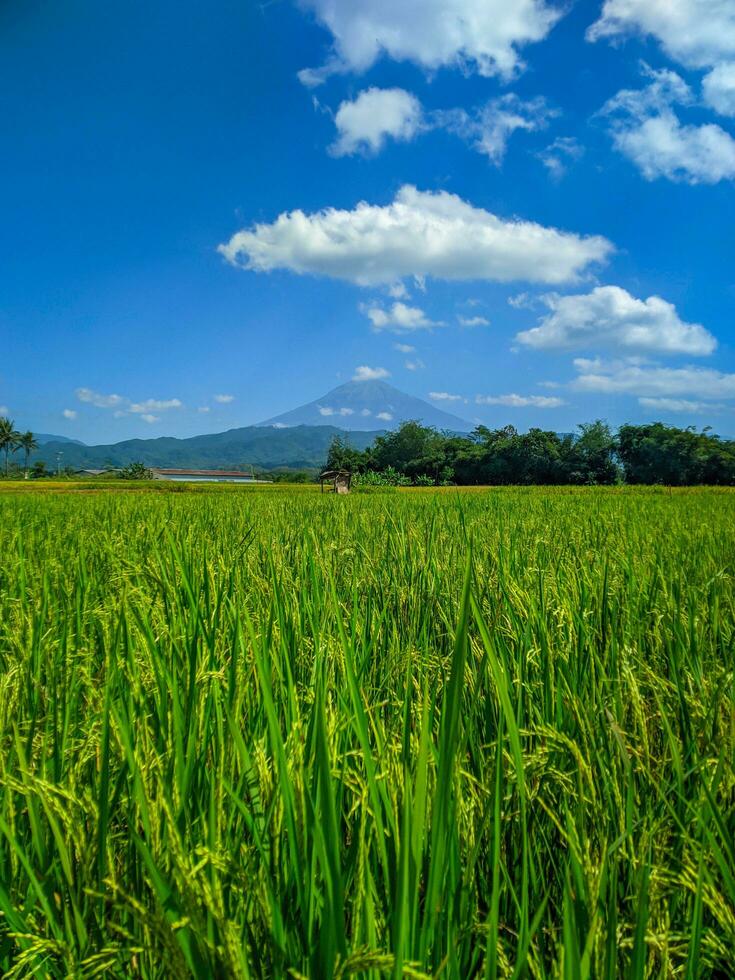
444 396
520 401
123 406
224 399
473 321
69 413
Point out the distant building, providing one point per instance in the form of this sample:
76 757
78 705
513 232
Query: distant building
109 471
205 476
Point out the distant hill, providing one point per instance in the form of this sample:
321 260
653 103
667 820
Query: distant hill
298 447
44 437
361 406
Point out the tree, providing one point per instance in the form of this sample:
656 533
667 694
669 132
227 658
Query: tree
343 456
8 439
136 471
27 442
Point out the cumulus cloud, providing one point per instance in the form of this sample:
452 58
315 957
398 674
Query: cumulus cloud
399 317
224 399
444 396
365 373
646 129
365 123
474 35
654 381
68 413
375 115
718 88
125 406
557 156
679 405
697 33
489 128
415 365
384 416
611 318
421 233
520 401
473 321
99 400
404 348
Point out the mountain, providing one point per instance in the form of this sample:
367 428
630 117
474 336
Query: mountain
360 406
267 448
43 437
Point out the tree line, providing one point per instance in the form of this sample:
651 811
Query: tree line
655 453
11 441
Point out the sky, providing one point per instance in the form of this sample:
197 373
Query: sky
213 212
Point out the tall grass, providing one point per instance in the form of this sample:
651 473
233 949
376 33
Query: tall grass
487 734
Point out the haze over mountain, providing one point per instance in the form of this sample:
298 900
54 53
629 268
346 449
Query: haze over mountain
361 406
43 437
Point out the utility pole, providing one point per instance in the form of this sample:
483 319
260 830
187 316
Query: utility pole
59 454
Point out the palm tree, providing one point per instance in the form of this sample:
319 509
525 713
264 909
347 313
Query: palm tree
27 442
8 439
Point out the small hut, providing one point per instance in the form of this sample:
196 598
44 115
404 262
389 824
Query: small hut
337 481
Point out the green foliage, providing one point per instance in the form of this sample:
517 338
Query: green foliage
594 456
135 471
264 732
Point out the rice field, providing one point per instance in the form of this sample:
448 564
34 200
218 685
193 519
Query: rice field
269 733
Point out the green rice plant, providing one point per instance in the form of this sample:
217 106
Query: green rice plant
265 732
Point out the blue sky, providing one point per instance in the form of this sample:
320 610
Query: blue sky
546 217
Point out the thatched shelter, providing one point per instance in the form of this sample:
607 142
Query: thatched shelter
337 481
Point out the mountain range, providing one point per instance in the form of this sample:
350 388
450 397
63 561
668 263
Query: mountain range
357 411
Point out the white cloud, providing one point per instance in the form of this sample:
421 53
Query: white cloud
68 413
718 88
365 123
489 128
420 234
610 317
473 321
397 290
224 399
99 400
557 156
384 416
365 412
398 318
653 380
404 348
327 410
520 401
154 405
416 365
476 35
203 409
697 33
444 396
279 425
124 406
365 373
679 405
646 129
4 411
